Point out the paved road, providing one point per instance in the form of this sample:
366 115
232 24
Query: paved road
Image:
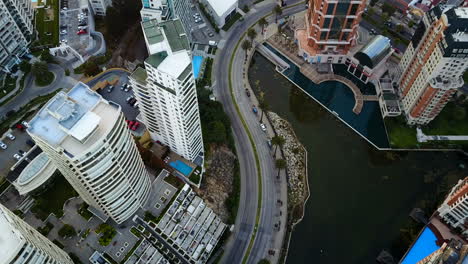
32 91
237 245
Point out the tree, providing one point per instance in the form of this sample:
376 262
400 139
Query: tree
67 231
263 105
278 11
91 68
411 23
373 2
25 66
280 165
262 23
46 56
39 68
252 34
399 28
371 11
389 9
246 45
246 9
459 113
120 16
278 141
385 16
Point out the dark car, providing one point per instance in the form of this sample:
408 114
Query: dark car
30 143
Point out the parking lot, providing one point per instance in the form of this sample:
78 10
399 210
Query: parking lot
13 147
199 27
119 96
74 22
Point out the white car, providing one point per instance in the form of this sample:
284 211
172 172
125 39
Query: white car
3 145
263 127
10 136
17 156
25 124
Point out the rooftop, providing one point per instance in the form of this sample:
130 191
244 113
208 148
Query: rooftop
139 75
74 121
221 7
10 243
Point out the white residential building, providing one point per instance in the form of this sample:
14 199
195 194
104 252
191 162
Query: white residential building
16 30
166 89
221 11
454 210
432 67
87 139
100 6
21 244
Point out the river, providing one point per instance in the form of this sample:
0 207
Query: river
360 197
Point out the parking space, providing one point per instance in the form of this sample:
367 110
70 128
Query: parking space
119 95
74 22
200 28
7 159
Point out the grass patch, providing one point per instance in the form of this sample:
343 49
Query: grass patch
195 178
135 231
45 79
174 181
53 198
452 120
8 86
83 211
67 231
231 21
400 134
47 23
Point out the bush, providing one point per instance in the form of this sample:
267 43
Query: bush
46 229
107 234
67 231
75 258
25 66
83 211
67 72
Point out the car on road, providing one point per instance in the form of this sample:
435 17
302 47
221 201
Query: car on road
210 34
263 127
269 143
30 143
3 145
10 136
63 32
17 156
123 86
128 88
254 109
109 90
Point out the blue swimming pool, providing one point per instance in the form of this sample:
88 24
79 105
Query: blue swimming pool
181 167
425 245
196 64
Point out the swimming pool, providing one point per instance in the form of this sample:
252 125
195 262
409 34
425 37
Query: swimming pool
181 167
425 245
196 65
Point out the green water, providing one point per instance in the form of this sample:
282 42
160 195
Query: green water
360 198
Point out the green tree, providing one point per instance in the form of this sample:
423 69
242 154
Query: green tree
246 45
278 11
280 164
388 8
411 23
385 16
262 23
120 16
91 68
263 105
246 9
67 231
217 132
252 34
371 11
373 2
278 141
46 56
399 28
67 72
459 113
25 66
39 68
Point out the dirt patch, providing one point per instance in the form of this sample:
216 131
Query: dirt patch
217 180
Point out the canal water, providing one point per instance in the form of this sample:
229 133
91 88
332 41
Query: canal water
360 197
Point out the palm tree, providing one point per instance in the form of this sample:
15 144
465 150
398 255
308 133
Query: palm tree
262 23
280 165
252 34
246 45
278 11
263 105
278 141
39 68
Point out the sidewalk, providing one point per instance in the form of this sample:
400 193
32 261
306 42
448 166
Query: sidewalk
12 94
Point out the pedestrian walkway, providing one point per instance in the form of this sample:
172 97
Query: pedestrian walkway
12 94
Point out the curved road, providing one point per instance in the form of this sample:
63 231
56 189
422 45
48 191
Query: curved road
237 245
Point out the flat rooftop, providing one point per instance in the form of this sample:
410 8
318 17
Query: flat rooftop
221 7
74 121
10 243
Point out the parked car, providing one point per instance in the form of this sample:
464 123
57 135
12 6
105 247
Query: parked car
10 136
22 153
25 124
123 86
17 157
30 143
129 98
136 105
63 32
263 127
132 102
128 88
135 125
130 123
3 145
210 34
110 88
81 32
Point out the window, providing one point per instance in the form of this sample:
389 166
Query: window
342 9
330 9
354 9
326 23
323 35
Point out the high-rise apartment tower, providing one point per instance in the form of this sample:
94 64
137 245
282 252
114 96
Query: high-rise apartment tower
16 31
432 67
87 139
454 209
330 29
21 244
166 90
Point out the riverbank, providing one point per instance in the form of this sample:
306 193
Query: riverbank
295 156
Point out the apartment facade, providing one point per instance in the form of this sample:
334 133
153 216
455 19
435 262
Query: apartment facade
100 6
432 67
454 209
330 30
87 139
21 244
16 31
166 90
